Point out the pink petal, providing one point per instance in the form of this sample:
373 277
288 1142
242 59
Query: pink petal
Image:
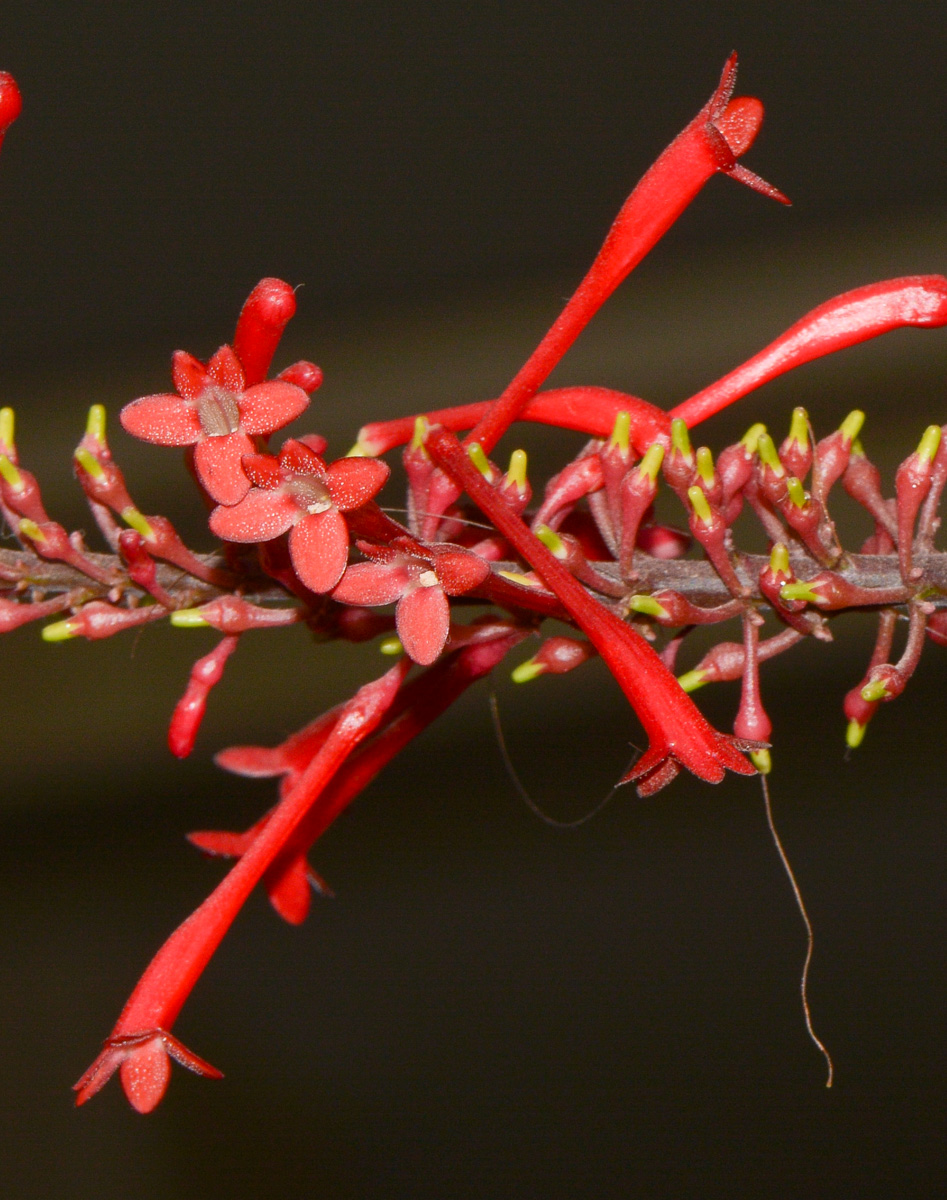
289 890
319 548
220 843
262 470
353 481
189 374
296 458
217 462
269 406
163 419
372 584
262 514
459 572
145 1074
225 370
256 762
423 622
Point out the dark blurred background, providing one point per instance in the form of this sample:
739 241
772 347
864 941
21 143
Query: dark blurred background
491 1007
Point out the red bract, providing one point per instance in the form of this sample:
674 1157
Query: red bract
216 413
298 491
419 579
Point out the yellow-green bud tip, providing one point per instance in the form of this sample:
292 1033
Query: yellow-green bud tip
88 462
31 530
527 671
516 475
779 559
650 465
648 606
762 760
552 541
188 618
699 504
799 428
59 631
680 439
705 465
7 426
359 450
799 591
751 439
391 646
851 427
10 473
855 734
797 493
690 681
522 580
419 436
132 517
621 433
95 423
766 448
875 690
929 443
480 461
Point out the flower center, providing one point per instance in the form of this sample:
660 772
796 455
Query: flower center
218 412
310 494
427 579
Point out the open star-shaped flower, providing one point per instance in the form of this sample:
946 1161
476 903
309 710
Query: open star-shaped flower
419 579
298 492
216 413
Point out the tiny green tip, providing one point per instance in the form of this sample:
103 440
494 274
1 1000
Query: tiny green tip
705 465
518 577
779 559
874 691
799 427
621 433
527 671
690 681
95 423
188 618
797 493
516 475
751 439
929 443
552 541
419 435
648 606
59 631
391 646
132 517
799 591
31 530
855 734
88 462
698 500
851 427
480 461
650 465
680 439
762 760
10 473
7 426
766 449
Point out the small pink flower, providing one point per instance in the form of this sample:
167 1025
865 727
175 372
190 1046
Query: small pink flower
216 413
298 492
419 578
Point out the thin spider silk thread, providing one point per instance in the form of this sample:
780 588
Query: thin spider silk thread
804 981
524 794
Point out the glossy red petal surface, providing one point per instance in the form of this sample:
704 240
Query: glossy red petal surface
352 482
289 890
319 548
217 462
423 622
262 514
270 406
372 584
164 419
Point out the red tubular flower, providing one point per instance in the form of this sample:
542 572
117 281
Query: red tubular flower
215 412
299 492
265 314
11 102
189 711
418 579
679 734
845 320
140 1042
